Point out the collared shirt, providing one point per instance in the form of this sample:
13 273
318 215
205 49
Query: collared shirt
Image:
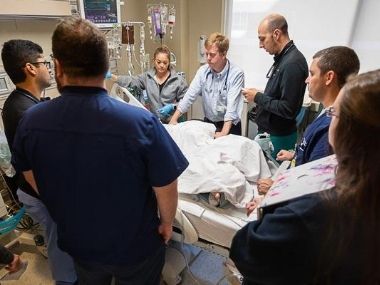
95 161
221 93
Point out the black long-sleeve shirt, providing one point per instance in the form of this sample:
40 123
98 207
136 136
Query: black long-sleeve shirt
282 99
14 108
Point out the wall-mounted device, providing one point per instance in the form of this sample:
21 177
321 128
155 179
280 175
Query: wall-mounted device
6 85
103 13
202 49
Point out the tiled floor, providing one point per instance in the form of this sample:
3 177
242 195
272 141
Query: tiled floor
37 271
204 268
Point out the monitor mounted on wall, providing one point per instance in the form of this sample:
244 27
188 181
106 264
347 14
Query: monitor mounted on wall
103 13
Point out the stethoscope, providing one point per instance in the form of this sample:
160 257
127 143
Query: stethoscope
225 80
272 71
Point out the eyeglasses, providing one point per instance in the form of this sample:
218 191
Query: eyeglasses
46 63
330 112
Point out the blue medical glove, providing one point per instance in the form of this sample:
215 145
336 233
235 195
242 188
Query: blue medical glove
166 110
108 75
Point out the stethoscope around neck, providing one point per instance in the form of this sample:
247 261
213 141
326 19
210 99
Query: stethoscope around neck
225 80
271 72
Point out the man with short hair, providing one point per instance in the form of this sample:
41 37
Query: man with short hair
281 101
219 83
103 168
28 69
329 71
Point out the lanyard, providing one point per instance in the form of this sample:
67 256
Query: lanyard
274 66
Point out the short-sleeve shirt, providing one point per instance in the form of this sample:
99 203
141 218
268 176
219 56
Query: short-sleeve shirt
95 161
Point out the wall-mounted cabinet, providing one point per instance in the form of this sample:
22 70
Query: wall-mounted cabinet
11 9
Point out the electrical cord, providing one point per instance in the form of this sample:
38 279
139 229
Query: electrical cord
182 244
27 223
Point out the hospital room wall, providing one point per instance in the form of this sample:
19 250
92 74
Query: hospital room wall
193 18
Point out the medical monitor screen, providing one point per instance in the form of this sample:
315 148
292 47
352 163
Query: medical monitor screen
103 13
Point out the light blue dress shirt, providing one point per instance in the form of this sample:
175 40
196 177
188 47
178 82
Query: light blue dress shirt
221 93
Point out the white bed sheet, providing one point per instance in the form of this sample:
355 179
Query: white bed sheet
215 225
230 164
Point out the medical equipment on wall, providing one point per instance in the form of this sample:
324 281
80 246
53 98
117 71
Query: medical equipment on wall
123 35
160 16
122 41
202 49
103 13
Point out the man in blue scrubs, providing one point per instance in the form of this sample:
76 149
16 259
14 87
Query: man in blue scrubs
329 71
103 168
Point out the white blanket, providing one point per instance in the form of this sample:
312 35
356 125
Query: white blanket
230 164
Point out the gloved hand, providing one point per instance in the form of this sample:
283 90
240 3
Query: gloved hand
166 110
108 75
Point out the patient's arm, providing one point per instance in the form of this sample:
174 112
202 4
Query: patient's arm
263 185
167 198
283 155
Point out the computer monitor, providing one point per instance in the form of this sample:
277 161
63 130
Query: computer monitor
103 13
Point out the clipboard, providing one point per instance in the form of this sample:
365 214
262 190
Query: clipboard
312 177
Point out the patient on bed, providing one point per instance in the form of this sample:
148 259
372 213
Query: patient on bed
228 166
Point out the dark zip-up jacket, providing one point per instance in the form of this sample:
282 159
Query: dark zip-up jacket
282 99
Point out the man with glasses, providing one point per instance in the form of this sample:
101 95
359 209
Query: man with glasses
26 66
281 101
219 83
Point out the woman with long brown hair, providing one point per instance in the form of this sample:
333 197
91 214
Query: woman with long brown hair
354 135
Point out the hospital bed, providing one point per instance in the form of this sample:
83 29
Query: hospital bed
197 222
208 221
